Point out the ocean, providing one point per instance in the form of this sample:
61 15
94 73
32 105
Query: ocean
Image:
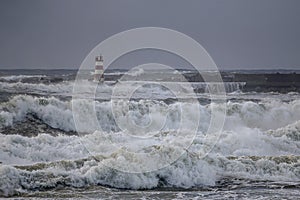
146 146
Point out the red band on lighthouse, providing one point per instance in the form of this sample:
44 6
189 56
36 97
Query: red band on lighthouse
99 72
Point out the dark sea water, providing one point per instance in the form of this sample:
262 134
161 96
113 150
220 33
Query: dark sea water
46 153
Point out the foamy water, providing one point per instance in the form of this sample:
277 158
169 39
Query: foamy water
259 145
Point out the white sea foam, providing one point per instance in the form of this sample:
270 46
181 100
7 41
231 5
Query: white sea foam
136 72
260 141
242 141
58 114
33 88
19 77
104 91
52 111
188 171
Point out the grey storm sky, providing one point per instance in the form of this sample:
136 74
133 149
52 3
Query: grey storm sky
238 34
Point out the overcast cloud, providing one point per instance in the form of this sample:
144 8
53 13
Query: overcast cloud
245 34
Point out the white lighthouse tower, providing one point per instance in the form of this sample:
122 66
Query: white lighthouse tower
99 71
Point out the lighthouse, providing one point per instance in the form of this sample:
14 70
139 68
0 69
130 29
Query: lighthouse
99 72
